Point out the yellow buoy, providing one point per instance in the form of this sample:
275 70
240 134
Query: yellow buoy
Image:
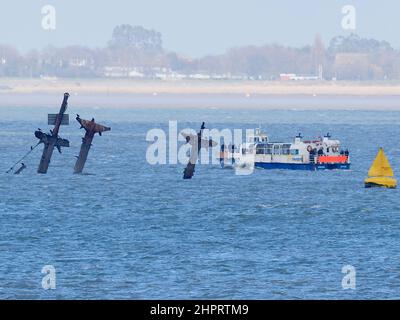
380 174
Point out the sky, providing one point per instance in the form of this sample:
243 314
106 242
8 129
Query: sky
196 27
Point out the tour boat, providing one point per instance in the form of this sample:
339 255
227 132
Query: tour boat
258 151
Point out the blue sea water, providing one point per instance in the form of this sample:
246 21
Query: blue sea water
129 230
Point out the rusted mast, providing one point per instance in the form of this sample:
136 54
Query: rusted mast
53 140
91 128
197 143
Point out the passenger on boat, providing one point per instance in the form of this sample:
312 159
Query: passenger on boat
312 154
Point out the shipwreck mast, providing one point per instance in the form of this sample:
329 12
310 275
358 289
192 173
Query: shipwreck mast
197 142
91 128
53 140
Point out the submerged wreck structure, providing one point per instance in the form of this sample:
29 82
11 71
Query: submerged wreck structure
21 168
197 143
52 140
91 128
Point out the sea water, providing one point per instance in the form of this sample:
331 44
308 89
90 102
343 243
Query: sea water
130 230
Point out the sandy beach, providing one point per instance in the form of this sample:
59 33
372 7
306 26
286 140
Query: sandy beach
26 86
125 93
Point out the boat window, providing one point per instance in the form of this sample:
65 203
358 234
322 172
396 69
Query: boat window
260 149
286 149
294 152
277 149
248 150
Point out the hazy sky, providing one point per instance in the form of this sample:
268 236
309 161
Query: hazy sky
196 27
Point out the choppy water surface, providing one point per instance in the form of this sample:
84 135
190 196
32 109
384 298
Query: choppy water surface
127 229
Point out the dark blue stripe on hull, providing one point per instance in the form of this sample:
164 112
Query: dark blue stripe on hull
303 166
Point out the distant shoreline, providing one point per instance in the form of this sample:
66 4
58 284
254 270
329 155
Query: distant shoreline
153 94
127 86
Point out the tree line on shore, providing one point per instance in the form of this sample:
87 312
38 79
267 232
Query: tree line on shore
134 51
